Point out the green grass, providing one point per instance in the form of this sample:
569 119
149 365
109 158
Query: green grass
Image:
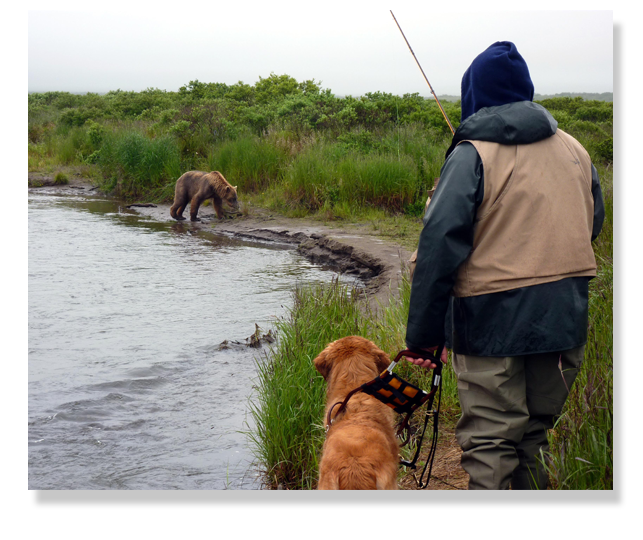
250 163
139 164
321 178
289 407
61 179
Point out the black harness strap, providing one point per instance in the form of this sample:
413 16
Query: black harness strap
404 398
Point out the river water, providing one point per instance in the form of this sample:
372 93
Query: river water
128 388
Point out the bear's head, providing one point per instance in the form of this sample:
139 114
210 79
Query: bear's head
230 197
223 189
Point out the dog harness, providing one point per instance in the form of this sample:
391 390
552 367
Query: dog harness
404 398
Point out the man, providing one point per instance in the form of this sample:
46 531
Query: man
506 250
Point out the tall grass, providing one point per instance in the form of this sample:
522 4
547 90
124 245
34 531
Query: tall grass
324 176
581 454
250 163
288 409
290 402
134 164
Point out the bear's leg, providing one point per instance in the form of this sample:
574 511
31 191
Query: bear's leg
177 208
194 208
179 212
218 209
176 211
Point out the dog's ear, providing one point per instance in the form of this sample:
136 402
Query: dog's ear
323 363
382 360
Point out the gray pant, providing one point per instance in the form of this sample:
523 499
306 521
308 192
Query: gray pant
508 404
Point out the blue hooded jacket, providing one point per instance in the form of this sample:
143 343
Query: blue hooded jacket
497 76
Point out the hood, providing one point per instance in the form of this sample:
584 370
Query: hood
499 75
523 122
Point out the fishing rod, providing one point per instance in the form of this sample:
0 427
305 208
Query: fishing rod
425 78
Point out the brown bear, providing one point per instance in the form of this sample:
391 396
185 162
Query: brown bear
197 186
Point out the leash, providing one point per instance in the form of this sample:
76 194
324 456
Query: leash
404 398
429 413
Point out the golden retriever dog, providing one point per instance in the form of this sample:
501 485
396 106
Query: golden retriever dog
361 450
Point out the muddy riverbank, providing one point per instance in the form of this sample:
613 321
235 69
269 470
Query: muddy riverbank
353 249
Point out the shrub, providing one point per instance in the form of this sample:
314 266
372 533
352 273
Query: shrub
595 111
78 117
166 116
605 149
139 163
95 134
61 179
567 104
275 87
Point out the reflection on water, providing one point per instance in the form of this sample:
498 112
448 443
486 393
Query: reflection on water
127 387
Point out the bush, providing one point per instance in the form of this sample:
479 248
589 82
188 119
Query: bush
95 134
595 111
78 117
275 87
568 104
605 149
61 179
139 163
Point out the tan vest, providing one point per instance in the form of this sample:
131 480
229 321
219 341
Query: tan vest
535 222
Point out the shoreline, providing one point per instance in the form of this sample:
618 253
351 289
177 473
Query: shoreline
350 249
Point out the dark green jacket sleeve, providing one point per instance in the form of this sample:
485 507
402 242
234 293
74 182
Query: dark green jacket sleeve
445 242
599 206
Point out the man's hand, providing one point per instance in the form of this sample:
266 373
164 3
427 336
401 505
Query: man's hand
428 364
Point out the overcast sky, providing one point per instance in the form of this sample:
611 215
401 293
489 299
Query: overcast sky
351 47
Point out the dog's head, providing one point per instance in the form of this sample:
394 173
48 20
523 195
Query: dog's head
357 356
